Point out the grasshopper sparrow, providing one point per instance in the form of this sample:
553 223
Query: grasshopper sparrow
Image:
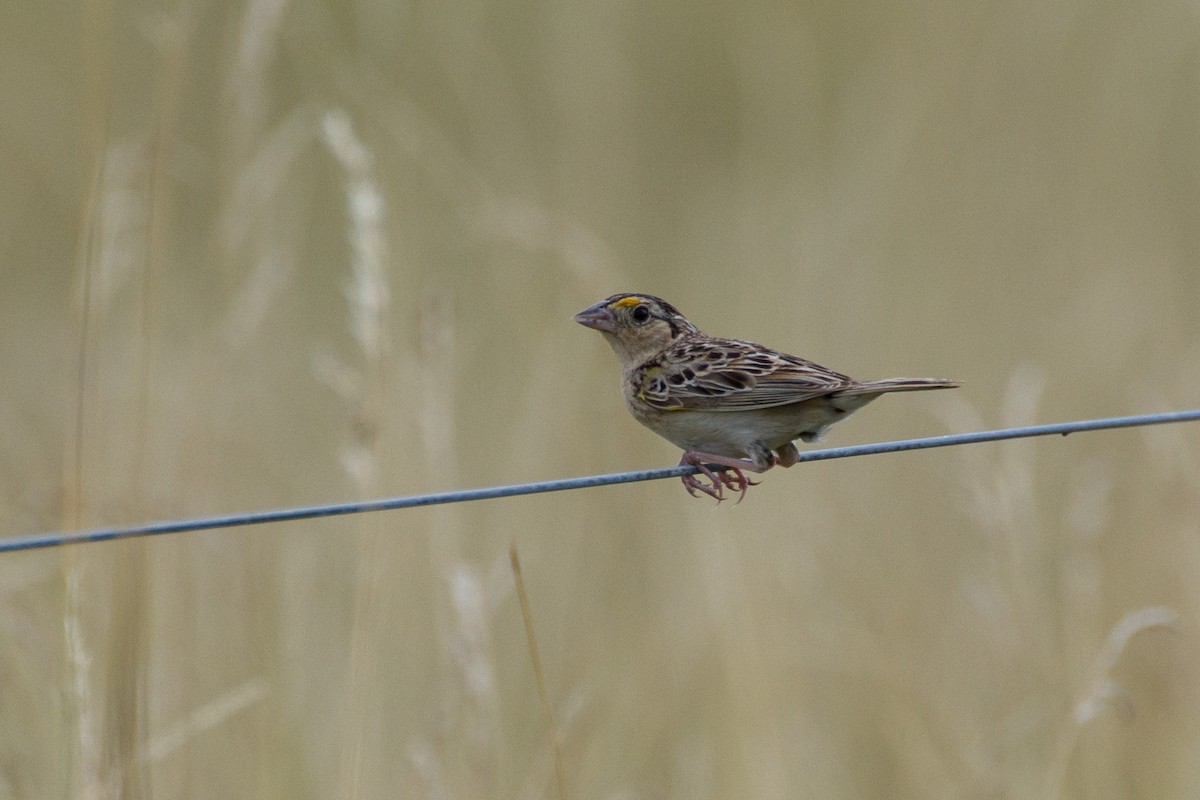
729 404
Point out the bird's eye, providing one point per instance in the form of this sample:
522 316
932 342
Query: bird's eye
640 315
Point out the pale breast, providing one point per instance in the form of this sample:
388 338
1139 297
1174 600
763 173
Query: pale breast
737 433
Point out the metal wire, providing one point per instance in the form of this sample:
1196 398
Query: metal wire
57 539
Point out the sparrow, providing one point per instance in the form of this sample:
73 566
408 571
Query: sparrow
732 406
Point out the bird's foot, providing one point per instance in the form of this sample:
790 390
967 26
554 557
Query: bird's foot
729 475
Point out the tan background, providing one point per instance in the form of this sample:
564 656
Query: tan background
272 253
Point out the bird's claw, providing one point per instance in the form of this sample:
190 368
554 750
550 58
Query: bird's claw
736 480
693 485
722 478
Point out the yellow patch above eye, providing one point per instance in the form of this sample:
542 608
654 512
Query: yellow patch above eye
628 302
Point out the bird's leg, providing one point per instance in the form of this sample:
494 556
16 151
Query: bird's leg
787 455
731 477
693 485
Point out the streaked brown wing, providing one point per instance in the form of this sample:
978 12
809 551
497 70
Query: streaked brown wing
729 375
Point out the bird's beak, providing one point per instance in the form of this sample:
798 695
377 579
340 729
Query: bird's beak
598 317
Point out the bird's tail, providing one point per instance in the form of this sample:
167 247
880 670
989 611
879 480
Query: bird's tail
898 385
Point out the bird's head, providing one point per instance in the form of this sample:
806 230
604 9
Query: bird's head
637 326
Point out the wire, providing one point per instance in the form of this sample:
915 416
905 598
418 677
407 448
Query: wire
57 539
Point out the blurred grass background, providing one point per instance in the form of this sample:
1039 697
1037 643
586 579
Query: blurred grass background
268 253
